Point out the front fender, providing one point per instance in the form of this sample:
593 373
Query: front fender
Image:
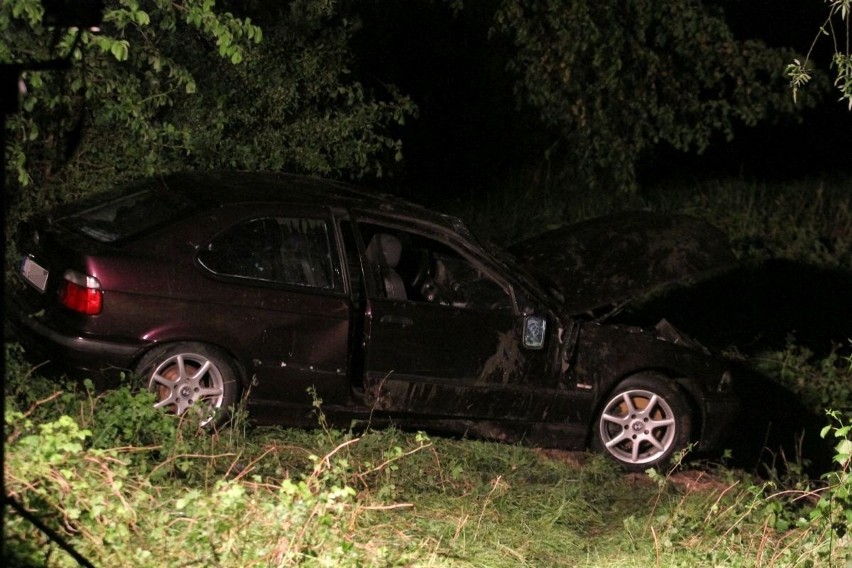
608 354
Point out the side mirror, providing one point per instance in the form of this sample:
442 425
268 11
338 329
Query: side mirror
534 331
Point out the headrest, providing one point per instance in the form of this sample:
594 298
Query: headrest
384 249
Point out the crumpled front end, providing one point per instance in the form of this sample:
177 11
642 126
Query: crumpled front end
607 261
608 354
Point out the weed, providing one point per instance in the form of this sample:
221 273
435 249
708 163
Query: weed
820 382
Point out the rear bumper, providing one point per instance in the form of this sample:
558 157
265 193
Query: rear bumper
78 355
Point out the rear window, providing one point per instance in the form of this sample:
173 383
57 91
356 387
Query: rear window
128 215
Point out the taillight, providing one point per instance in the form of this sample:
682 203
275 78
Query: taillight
81 293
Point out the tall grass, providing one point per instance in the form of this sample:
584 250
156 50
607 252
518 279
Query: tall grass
276 497
805 220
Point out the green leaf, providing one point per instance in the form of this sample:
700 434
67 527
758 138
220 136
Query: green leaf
142 18
120 50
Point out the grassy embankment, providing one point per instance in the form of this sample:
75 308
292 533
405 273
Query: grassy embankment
127 486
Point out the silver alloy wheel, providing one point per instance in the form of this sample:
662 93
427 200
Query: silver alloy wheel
184 380
637 426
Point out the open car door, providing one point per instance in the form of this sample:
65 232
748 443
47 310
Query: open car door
442 335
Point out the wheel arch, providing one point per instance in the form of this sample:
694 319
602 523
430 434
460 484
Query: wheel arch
686 385
243 378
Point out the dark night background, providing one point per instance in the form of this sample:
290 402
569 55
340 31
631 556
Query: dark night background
470 132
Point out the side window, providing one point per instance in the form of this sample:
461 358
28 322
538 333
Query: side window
420 269
283 250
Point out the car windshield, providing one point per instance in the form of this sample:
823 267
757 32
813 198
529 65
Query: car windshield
535 283
128 214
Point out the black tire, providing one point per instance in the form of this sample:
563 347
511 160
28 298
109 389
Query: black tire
191 378
643 422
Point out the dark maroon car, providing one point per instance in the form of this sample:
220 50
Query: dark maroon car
286 289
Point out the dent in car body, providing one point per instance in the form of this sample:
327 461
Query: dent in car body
424 377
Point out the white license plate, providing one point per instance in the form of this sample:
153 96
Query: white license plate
34 273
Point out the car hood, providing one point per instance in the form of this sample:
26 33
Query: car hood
609 260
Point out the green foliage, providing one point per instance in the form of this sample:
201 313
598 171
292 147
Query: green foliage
294 103
168 85
275 497
115 516
820 382
833 510
122 79
802 523
800 73
26 390
86 467
612 80
49 471
807 221
122 417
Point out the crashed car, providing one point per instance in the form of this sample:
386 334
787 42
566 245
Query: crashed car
287 290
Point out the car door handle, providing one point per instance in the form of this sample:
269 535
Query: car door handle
397 320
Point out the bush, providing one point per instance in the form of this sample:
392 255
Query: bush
123 482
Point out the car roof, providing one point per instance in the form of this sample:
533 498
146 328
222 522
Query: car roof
212 189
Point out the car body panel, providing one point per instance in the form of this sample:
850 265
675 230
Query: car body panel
447 361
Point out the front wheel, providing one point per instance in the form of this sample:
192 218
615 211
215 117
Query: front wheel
643 423
191 379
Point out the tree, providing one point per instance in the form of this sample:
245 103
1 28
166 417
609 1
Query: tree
612 79
800 73
295 104
176 84
119 82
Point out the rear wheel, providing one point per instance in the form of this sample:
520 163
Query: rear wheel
644 422
191 379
